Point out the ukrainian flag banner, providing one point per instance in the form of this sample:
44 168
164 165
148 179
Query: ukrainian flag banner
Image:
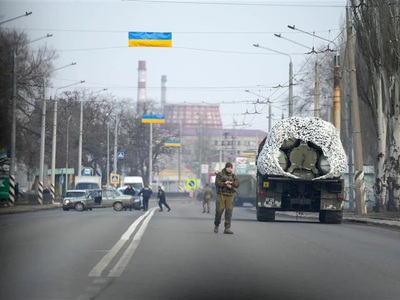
150 39
172 143
154 119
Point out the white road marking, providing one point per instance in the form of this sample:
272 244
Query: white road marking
104 262
125 258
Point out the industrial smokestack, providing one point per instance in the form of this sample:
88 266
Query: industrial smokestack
163 90
141 97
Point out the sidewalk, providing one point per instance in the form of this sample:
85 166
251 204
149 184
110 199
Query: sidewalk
391 219
23 205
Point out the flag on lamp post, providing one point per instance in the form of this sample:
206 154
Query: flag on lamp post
150 39
172 143
153 119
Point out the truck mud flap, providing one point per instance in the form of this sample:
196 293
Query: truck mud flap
330 217
265 214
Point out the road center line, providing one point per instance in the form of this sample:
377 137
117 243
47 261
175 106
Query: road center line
104 262
125 258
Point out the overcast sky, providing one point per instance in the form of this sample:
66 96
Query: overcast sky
212 59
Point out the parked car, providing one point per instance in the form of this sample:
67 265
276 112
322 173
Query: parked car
73 194
122 190
101 199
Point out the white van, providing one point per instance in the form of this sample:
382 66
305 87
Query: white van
136 182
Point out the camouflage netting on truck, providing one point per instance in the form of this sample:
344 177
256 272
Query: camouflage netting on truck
303 148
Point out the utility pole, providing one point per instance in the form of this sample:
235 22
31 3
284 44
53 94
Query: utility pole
80 140
269 117
43 138
54 146
290 76
151 155
358 157
336 94
316 92
116 145
108 154
336 80
180 155
350 153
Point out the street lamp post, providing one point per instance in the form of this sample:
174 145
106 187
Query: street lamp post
80 135
43 138
54 149
290 76
108 155
14 117
11 193
9 20
66 156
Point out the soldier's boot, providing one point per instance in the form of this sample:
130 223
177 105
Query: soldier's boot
216 229
228 231
204 211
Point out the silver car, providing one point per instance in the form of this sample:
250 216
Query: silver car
101 199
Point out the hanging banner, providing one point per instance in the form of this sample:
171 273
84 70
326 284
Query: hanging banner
155 119
172 143
150 39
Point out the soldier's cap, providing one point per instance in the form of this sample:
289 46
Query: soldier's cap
228 165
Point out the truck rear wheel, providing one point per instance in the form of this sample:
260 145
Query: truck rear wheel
265 214
330 217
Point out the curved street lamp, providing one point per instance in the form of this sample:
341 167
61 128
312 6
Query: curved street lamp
13 110
43 137
53 159
81 132
290 76
9 20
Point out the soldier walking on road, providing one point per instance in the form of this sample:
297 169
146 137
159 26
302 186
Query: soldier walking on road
207 196
225 182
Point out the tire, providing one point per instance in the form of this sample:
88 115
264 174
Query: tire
265 214
118 206
65 209
79 206
331 217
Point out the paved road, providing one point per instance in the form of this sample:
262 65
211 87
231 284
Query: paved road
105 254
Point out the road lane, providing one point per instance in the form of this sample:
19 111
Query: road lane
176 255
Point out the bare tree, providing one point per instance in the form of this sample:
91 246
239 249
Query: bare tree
32 68
377 26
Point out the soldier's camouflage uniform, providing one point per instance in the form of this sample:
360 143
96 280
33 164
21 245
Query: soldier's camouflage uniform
225 195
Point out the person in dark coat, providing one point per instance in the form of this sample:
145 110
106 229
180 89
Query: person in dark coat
129 191
162 199
146 193
16 191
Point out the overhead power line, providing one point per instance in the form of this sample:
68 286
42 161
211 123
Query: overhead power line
247 3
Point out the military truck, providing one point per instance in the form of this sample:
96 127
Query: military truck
247 190
299 165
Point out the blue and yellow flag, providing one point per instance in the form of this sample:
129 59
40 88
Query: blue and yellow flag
172 143
154 119
150 39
